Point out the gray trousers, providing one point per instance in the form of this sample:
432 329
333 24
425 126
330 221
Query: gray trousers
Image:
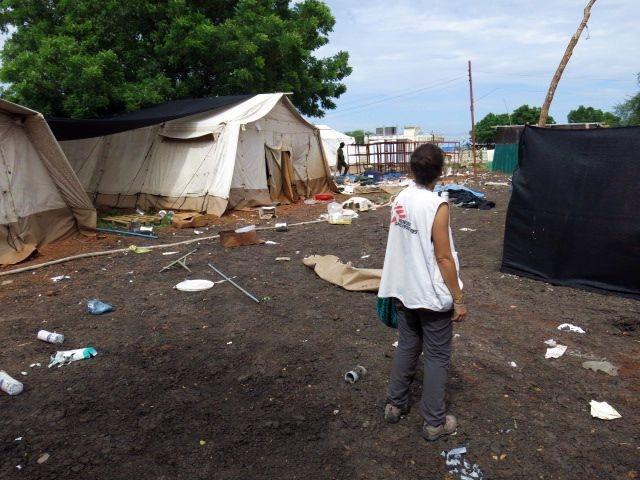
431 331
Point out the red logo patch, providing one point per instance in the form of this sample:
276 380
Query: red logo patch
398 214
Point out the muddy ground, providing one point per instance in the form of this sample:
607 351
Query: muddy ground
213 386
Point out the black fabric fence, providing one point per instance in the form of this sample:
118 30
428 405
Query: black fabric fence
574 215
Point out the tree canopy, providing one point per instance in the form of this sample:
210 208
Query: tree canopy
584 114
84 58
629 111
358 135
522 115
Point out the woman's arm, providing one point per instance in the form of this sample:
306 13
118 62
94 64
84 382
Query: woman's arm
446 263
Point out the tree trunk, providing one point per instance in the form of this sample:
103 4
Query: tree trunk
544 113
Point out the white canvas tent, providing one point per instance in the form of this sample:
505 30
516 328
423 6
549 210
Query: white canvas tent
255 152
41 199
331 140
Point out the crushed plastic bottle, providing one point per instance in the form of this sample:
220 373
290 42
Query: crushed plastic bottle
65 357
51 337
10 385
96 307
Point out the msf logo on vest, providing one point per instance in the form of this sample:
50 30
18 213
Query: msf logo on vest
399 218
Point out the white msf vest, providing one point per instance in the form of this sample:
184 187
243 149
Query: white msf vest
411 273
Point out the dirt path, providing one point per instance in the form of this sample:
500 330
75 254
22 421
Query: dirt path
210 385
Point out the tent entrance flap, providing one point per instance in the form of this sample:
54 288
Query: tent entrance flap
280 175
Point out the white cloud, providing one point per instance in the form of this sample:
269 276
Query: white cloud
514 45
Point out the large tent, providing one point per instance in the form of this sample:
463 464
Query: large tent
331 140
206 155
573 217
41 198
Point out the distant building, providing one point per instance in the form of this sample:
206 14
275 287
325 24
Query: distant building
409 134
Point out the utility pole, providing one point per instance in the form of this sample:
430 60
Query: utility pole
544 112
473 123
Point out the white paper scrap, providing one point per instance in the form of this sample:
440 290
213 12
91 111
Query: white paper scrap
551 342
603 410
567 327
555 352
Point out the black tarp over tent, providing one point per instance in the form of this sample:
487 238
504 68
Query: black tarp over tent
574 215
74 129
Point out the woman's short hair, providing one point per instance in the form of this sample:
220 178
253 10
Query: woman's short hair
426 163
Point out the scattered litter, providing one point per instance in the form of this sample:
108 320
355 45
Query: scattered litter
551 342
281 227
198 232
266 213
456 335
37 364
395 344
352 376
323 197
43 458
513 364
182 261
6 282
10 385
51 337
505 430
498 184
233 283
459 466
139 211
67 356
360 204
263 299
19 467
555 352
567 327
203 443
241 237
96 307
194 285
136 249
271 242
60 277
603 411
297 252
335 412
148 229
247 229
17 439
310 201
365 256
283 259
465 229
229 343
24 374
605 367
348 213
169 253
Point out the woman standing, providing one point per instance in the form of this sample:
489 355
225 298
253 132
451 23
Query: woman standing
421 274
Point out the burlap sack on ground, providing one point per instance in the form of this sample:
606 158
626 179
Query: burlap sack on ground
331 269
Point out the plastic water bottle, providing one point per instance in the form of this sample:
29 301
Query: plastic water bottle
10 385
51 337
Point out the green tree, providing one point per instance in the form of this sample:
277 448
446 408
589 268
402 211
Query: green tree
584 114
629 111
358 135
85 58
526 115
485 133
523 115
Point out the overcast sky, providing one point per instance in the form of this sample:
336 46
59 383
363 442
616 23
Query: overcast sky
419 49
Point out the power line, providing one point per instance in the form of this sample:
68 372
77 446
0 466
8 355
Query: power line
413 92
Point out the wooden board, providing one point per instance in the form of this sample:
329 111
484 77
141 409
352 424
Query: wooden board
127 219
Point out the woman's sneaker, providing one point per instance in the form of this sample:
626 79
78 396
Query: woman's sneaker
449 427
392 413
